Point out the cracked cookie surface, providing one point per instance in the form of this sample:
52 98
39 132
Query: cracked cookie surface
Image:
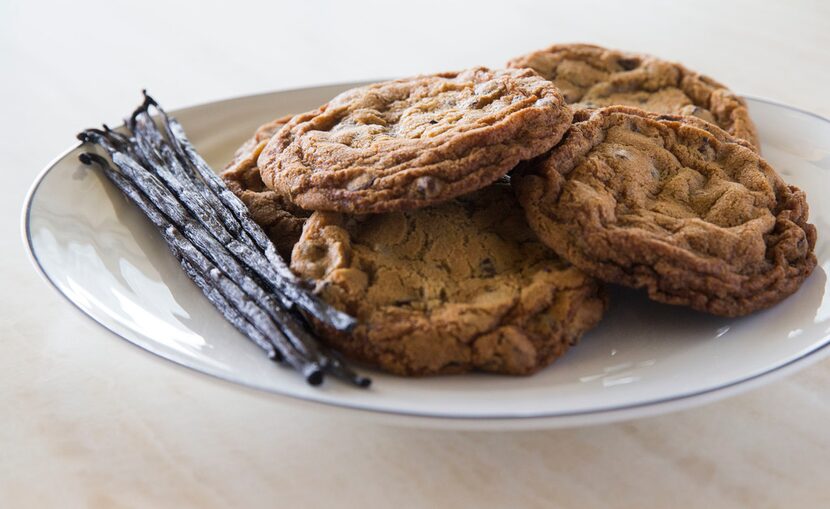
691 215
456 287
409 143
591 76
281 220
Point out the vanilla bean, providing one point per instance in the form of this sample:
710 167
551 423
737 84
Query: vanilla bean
196 263
211 233
338 367
228 311
150 139
171 175
285 281
183 190
167 202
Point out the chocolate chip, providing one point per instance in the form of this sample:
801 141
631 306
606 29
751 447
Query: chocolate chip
706 150
629 63
487 268
433 121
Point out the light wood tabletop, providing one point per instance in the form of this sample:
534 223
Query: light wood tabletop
91 421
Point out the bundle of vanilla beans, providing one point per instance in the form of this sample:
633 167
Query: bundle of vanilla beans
219 246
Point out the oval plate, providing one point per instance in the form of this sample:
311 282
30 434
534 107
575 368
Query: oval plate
644 358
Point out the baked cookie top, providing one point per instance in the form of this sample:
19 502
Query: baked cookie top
690 214
591 76
413 142
251 147
281 220
464 285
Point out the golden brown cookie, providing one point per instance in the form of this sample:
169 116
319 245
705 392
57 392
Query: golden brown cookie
413 142
690 214
281 220
261 136
461 286
591 76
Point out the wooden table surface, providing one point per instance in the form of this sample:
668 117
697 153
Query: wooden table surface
91 421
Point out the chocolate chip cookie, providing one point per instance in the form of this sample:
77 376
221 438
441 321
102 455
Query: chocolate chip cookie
281 220
464 285
413 142
591 76
690 214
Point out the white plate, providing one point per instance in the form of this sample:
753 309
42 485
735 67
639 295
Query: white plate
644 358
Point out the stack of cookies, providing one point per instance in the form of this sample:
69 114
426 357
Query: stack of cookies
469 220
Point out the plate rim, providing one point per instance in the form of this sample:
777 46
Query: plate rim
528 420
